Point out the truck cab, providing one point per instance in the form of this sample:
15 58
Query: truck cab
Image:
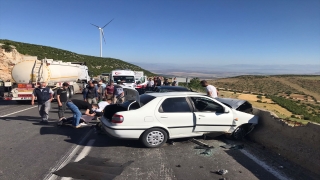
127 76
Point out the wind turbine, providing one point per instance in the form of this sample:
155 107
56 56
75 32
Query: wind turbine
101 35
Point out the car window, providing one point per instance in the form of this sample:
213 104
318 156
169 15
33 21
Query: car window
205 104
172 105
144 99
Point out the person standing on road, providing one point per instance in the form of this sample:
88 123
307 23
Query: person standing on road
62 99
166 82
44 97
109 90
91 94
150 84
158 82
75 106
118 93
211 90
174 82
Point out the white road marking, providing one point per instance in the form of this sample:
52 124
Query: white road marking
18 111
66 158
264 165
85 151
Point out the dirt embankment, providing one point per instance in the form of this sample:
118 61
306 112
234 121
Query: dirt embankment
8 60
298 144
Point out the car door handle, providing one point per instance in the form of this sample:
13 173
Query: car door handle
202 116
163 117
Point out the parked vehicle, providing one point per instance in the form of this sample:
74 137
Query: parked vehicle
28 73
104 76
127 76
237 104
170 89
155 117
141 81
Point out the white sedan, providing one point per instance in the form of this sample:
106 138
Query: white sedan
154 118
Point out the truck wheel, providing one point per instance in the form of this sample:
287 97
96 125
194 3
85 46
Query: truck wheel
154 137
71 92
68 93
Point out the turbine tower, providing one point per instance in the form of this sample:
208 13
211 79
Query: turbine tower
101 35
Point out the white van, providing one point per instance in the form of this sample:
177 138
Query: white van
123 75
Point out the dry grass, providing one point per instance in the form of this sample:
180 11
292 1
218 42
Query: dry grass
275 108
251 97
228 94
278 110
309 87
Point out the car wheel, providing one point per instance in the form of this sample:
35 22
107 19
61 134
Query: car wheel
239 133
154 137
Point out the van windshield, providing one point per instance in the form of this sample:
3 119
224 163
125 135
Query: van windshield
126 79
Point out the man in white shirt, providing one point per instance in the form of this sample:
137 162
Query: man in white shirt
211 90
102 105
150 84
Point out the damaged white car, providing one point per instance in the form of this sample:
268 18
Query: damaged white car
154 118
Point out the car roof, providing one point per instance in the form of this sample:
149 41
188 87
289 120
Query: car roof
173 87
168 94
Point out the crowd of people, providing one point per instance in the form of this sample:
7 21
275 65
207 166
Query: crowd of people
153 82
96 96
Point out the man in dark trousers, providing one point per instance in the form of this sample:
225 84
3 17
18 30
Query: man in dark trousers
91 94
166 82
62 99
76 105
44 97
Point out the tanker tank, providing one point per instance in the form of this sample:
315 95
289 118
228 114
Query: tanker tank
49 71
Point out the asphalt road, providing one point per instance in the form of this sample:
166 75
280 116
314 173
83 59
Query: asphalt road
30 150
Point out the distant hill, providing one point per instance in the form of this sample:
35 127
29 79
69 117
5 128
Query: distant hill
273 85
96 65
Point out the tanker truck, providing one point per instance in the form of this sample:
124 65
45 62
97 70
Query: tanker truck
28 73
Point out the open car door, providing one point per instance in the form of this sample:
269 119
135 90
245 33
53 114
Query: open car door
131 94
211 116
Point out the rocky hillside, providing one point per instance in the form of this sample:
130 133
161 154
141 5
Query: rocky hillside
96 65
7 60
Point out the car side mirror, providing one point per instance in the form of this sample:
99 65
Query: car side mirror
226 110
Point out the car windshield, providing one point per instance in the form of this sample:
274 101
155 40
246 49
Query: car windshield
126 79
144 99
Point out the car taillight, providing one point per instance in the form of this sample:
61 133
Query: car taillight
117 118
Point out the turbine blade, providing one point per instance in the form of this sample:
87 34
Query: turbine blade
108 23
103 36
94 25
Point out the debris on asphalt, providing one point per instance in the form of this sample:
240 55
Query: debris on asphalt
223 179
171 142
178 165
206 152
201 166
92 168
233 147
222 171
240 171
200 143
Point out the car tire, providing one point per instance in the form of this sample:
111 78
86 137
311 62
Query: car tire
239 133
154 137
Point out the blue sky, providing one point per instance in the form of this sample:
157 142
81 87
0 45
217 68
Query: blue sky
167 31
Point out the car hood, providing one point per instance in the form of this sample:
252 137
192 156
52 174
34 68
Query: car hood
234 103
131 94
